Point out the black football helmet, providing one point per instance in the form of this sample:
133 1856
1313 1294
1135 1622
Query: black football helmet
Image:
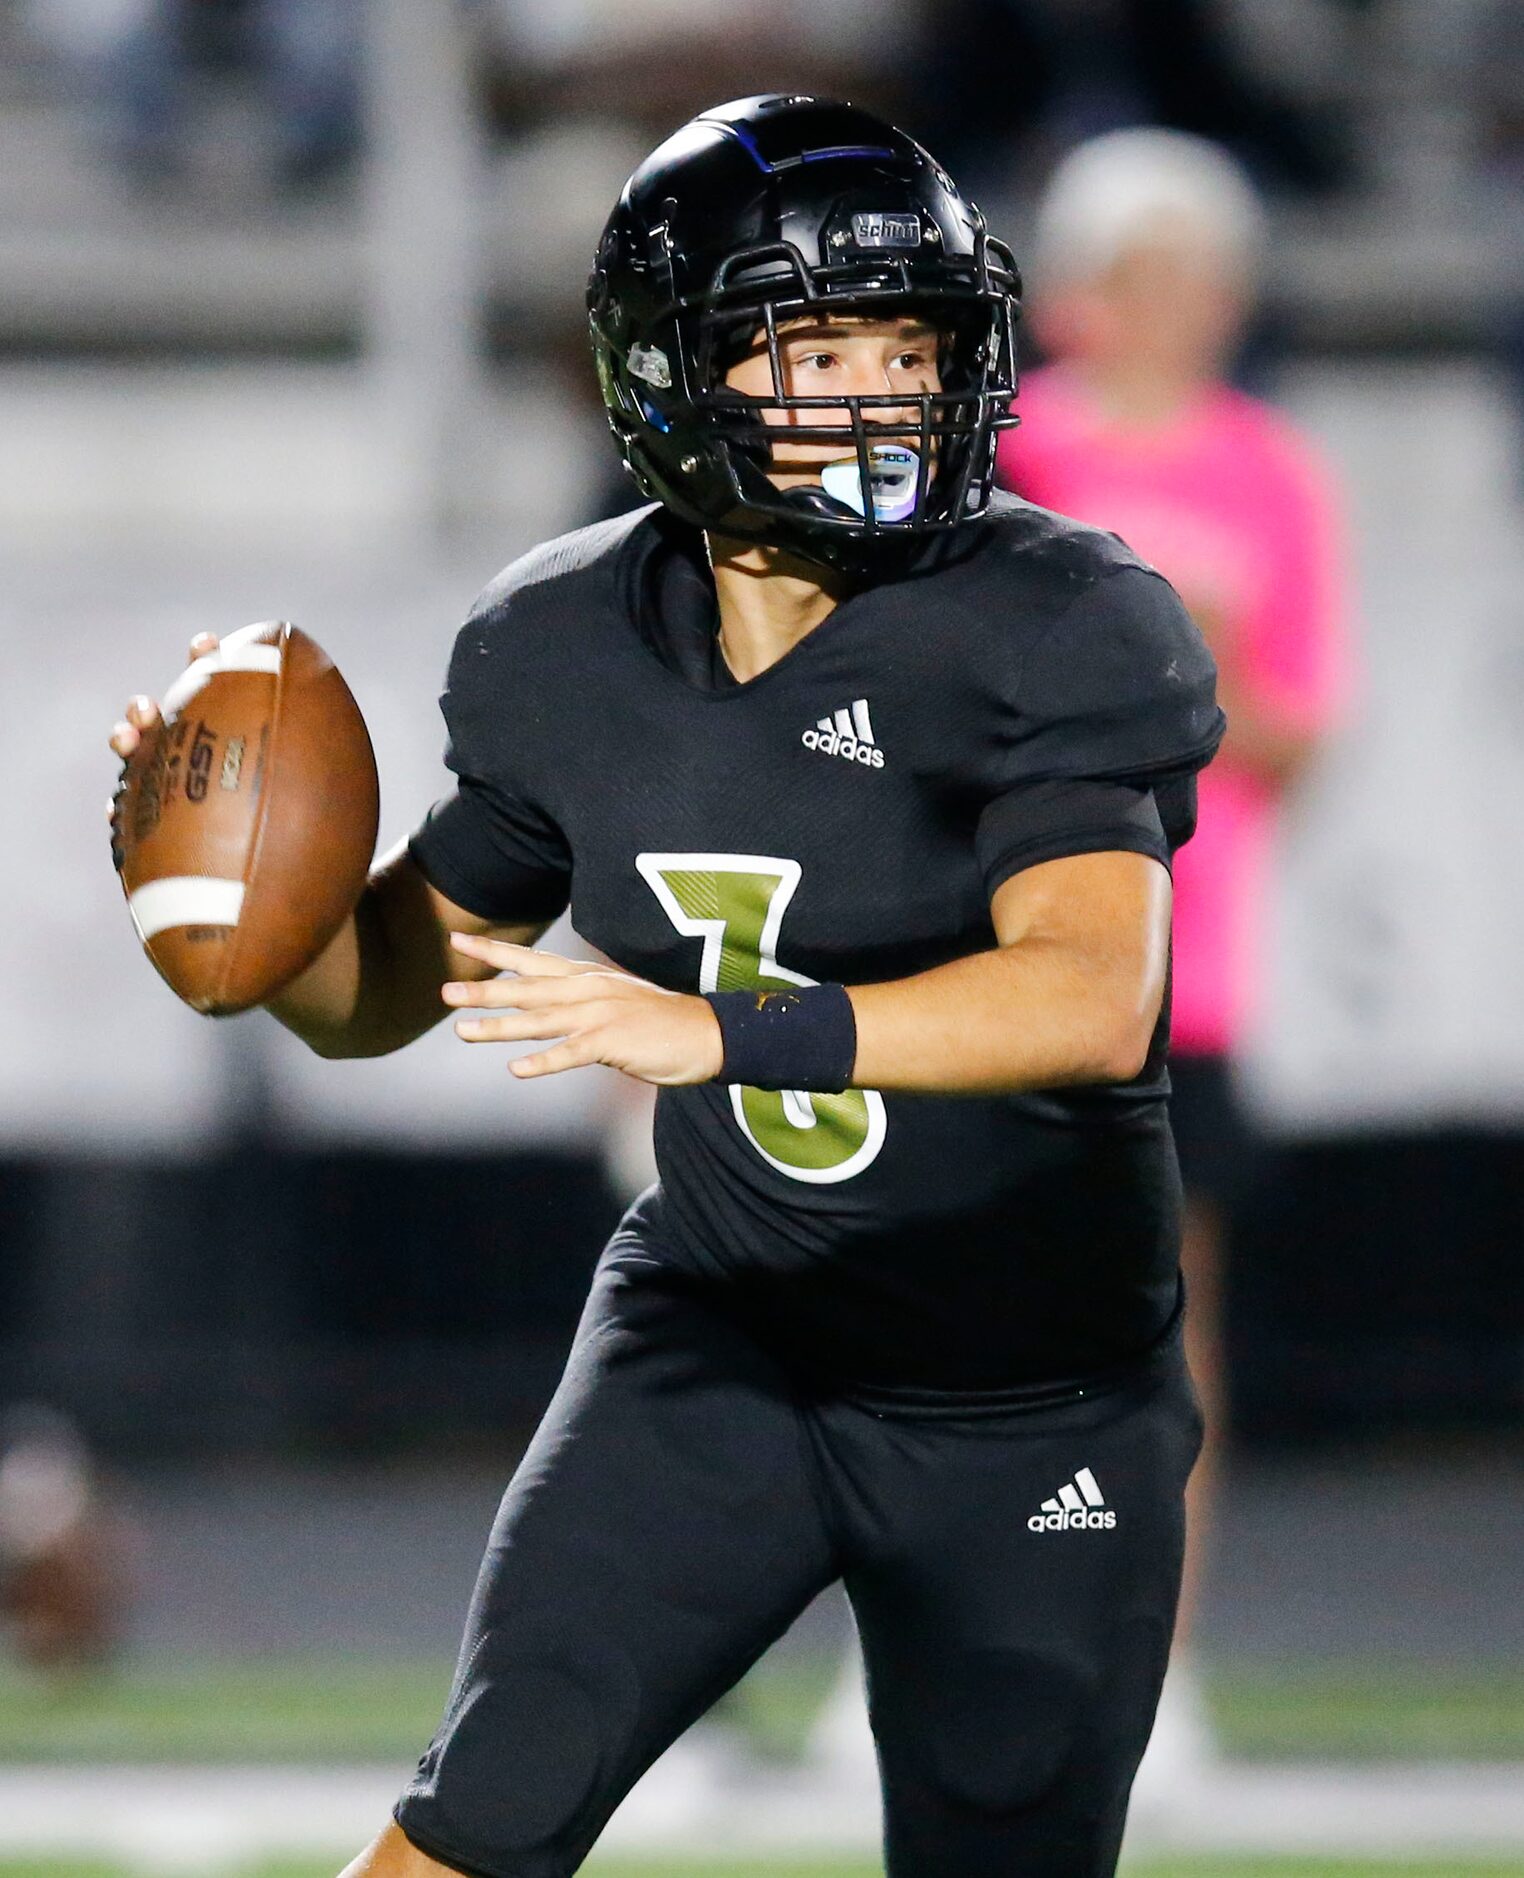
754 214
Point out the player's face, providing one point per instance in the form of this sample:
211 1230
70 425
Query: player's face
842 358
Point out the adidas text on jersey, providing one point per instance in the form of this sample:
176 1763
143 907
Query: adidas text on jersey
846 734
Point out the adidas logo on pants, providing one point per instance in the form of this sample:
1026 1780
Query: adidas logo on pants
1079 1507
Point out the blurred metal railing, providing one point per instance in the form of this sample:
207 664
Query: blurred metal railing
474 239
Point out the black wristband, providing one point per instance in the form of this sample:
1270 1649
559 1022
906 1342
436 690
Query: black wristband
804 1039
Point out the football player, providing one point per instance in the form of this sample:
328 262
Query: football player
869 780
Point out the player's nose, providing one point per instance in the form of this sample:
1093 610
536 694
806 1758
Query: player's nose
895 416
876 413
873 378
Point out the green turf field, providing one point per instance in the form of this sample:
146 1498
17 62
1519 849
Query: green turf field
669 1868
293 1710
244 1710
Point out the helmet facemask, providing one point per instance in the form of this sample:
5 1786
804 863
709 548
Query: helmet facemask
910 461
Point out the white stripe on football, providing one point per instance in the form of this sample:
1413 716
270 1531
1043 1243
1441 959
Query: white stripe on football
184 900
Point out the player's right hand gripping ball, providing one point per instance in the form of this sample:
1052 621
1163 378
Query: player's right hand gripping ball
246 821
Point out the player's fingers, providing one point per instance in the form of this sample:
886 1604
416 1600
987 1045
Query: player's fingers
125 738
516 994
511 1028
202 644
574 1053
143 712
562 1018
521 959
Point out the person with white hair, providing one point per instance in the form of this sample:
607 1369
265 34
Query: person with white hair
1147 250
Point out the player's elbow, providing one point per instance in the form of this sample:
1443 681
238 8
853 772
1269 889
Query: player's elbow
335 1049
1101 1051
1126 1038
356 1049
349 1044
1125 1058
332 1046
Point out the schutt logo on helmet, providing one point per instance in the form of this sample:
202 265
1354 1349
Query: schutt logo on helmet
886 231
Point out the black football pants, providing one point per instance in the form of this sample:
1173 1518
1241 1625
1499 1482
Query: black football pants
1013 1570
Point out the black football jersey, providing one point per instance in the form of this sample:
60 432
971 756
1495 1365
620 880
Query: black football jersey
1027 690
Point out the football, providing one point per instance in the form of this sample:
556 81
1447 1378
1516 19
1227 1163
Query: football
246 819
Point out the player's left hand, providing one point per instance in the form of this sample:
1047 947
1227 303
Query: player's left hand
599 1013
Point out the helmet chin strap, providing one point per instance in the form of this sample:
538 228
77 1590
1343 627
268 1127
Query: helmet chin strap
811 499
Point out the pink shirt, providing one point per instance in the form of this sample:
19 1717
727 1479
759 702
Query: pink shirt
1231 505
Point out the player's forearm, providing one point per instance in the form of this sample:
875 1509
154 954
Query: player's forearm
1034 1015
376 987
344 1004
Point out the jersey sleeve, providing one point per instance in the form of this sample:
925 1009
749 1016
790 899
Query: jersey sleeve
490 846
1111 714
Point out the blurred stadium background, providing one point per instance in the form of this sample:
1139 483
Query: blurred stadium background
290 325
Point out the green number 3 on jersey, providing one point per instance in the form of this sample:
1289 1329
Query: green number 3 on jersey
735 903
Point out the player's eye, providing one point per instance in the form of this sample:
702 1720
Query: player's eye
913 360
818 361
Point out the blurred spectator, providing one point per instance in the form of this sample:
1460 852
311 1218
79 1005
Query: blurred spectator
1144 266
64 1551
301 57
607 61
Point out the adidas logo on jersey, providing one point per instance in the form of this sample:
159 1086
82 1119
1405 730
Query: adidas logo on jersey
847 734
1079 1507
